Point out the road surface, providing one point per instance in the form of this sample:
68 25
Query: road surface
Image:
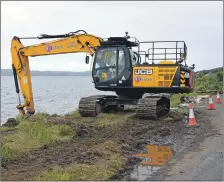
202 163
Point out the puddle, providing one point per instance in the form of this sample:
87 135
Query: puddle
152 159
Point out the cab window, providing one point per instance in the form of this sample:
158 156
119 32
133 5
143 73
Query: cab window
106 58
105 64
121 61
133 57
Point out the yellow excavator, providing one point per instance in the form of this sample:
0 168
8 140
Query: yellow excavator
119 65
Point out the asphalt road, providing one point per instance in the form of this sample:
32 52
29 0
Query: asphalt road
204 163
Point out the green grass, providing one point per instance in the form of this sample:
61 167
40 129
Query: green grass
110 160
78 119
103 120
76 114
36 131
7 154
31 135
42 117
3 128
111 121
107 148
205 82
65 130
102 170
176 99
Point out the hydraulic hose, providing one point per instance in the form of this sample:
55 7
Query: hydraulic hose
15 79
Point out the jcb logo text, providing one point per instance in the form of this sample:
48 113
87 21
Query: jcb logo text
143 72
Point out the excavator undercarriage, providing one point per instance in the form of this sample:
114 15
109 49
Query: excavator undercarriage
149 107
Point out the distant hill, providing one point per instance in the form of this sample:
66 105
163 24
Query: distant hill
211 71
9 72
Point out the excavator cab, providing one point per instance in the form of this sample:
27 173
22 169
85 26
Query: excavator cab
117 67
121 66
110 64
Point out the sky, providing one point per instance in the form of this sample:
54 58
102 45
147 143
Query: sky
199 24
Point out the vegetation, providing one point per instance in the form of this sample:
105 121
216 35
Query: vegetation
31 135
102 170
206 81
110 160
177 99
43 129
111 121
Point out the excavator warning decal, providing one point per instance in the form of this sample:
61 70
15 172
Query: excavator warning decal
182 79
123 78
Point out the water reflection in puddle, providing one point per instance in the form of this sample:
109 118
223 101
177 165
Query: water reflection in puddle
152 159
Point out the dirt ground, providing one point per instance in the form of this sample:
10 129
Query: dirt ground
133 135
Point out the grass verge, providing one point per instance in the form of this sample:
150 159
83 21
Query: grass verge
176 99
110 160
32 135
111 121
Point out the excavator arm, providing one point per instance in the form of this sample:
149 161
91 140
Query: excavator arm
67 43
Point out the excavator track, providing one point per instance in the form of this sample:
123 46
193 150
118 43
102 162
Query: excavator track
153 107
149 107
89 106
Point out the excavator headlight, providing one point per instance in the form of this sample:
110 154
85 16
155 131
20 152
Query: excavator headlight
97 79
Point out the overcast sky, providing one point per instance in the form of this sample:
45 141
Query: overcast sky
199 24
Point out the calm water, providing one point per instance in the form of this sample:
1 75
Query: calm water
51 94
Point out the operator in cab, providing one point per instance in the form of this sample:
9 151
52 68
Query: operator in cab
102 72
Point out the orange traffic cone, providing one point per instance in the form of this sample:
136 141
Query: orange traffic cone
192 120
211 105
218 99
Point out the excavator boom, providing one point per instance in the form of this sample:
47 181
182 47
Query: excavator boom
68 43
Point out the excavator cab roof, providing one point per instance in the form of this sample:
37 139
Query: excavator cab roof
118 41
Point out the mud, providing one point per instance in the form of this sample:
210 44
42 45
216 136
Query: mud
134 135
173 134
9 132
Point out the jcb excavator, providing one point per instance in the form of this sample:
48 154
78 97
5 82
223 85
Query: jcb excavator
116 67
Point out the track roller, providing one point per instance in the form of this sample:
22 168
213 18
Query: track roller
153 107
89 107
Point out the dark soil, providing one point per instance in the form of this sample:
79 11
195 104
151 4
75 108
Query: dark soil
11 122
133 136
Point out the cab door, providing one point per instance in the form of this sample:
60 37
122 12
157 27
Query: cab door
105 67
123 67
